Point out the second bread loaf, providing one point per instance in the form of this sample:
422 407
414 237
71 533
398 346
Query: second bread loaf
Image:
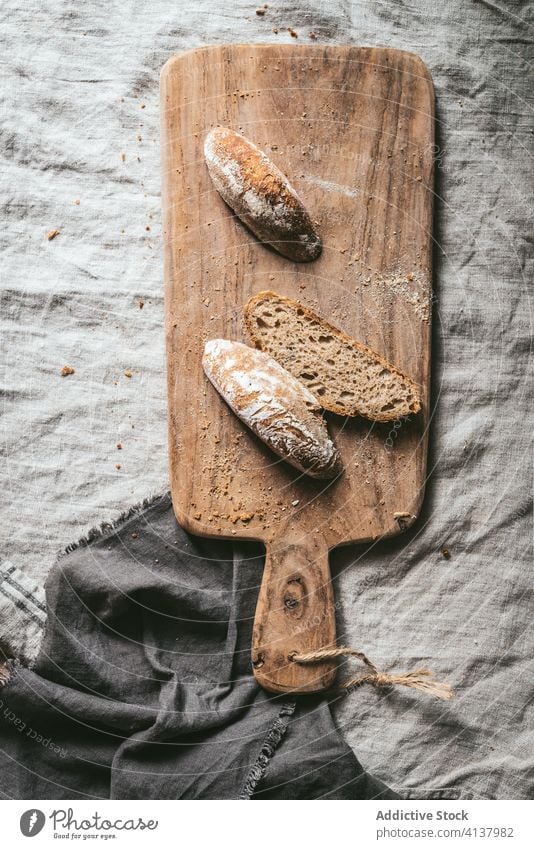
273 404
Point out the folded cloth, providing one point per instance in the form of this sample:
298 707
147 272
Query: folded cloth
22 613
142 688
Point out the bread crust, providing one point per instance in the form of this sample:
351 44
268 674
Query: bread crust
274 404
328 328
260 194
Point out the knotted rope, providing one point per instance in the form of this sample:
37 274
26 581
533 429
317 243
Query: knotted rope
419 679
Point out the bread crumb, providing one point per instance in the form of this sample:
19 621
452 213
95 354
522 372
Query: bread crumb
118 466
446 553
52 234
261 11
119 446
128 374
77 201
292 32
295 503
246 517
141 303
123 157
312 35
275 30
66 370
135 536
402 515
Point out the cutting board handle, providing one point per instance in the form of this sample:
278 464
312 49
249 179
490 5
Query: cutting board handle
295 614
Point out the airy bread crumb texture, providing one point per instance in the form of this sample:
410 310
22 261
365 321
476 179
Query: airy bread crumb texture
346 377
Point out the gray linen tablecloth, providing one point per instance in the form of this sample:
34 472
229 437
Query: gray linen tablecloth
79 142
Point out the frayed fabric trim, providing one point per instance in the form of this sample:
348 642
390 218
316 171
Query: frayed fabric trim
270 744
108 528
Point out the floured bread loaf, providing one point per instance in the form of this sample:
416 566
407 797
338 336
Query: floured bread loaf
276 406
260 195
345 376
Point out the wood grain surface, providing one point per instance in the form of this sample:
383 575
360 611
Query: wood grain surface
352 128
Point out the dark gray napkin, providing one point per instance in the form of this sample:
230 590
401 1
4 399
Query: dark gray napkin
143 687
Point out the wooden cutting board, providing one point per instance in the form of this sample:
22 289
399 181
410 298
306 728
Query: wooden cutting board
352 128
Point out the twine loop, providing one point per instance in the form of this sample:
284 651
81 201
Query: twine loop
418 679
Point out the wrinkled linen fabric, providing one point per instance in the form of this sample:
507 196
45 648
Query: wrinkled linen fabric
143 687
80 123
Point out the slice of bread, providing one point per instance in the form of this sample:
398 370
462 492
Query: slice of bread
346 377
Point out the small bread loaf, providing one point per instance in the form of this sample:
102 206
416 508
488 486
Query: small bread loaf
345 376
273 404
260 195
